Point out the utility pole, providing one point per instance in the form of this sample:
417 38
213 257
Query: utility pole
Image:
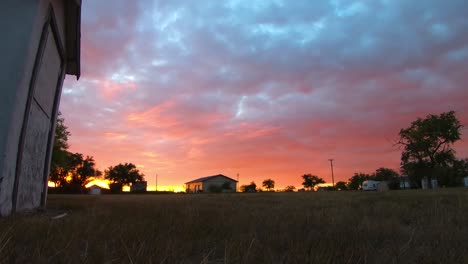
237 184
333 177
156 188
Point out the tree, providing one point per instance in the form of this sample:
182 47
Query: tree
341 185
86 170
428 145
454 175
252 187
311 180
289 188
81 170
388 175
355 182
268 184
58 167
69 171
124 174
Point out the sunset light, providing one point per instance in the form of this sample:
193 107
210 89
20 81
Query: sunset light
234 131
264 90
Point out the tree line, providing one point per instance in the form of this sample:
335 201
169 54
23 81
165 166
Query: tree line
71 172
427 153
309 182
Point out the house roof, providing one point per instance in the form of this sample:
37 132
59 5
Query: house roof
73 36
202 179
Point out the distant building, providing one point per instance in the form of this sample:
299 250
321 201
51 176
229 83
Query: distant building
370 185
215 183
94 190
138 187
405 182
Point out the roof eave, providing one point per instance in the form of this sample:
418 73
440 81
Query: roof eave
73 37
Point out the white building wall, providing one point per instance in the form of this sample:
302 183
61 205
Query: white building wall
20 77
218 181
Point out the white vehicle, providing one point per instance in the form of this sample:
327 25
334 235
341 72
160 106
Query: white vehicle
370 185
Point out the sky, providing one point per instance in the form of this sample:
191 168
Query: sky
263 89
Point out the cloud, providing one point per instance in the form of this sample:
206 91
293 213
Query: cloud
266 89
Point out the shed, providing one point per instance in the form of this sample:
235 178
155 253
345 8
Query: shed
40 45
138 187
215 183
94 190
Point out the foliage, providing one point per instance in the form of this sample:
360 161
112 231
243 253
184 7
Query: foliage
69 171
310 181
461 168
85 170
453 175
341 185
385 174
252 187
59 167
125 174
388 175
428 145
79 174
268 184
289 188
355 182
61 133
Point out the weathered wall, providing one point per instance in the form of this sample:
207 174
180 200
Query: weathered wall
14 71
218 181
31 76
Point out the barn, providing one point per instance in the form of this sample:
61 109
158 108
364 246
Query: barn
215 183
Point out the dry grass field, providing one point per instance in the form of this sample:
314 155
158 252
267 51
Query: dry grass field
330 227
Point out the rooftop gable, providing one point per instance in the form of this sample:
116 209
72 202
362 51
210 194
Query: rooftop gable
203 179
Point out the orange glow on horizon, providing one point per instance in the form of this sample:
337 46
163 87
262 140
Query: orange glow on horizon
105 185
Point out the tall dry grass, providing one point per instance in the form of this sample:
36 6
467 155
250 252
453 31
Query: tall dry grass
331 227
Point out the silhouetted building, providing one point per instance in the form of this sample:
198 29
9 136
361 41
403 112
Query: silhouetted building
138 187
215 183
94 190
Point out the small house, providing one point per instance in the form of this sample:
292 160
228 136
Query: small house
139 187
215 183
94 190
